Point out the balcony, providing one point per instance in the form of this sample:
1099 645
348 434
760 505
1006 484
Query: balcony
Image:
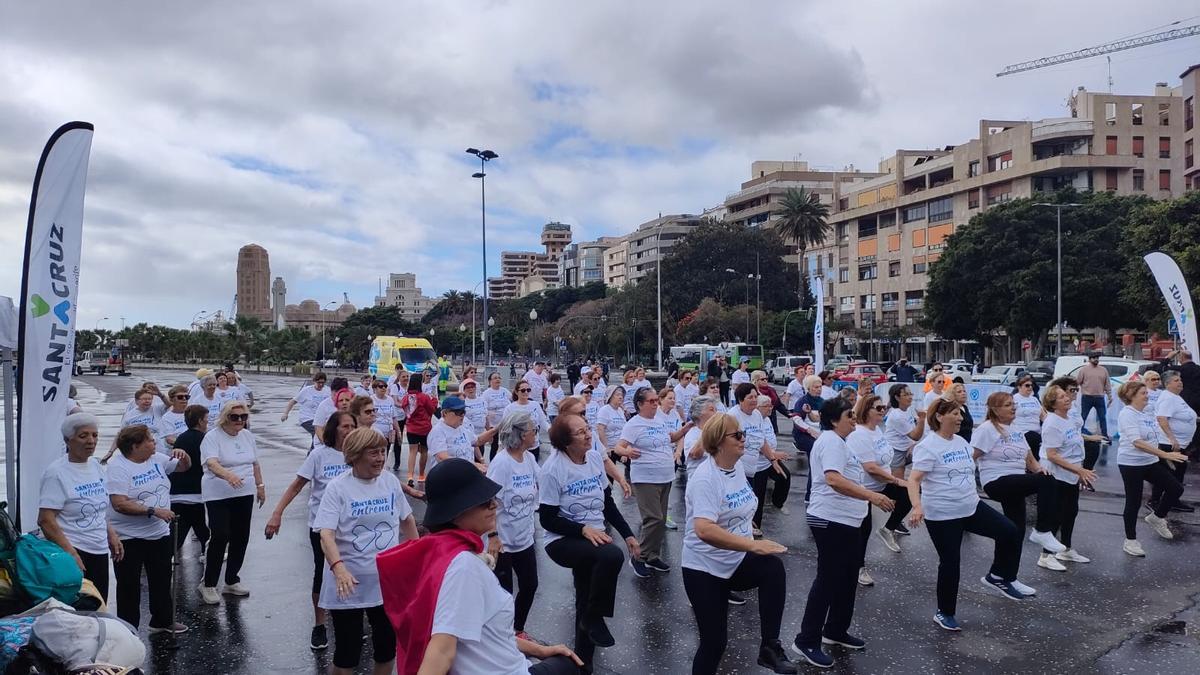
1061 128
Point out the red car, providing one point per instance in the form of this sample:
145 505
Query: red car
860 369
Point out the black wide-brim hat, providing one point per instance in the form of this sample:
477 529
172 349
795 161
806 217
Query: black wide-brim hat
452 488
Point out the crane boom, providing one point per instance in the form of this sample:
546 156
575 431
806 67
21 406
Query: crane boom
1108 48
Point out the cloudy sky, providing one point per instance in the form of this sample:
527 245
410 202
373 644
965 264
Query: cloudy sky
333 133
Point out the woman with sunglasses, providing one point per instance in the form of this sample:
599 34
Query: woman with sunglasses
1010 473
495 400
231 484
837 510
1063 454
172 423
1030 414
385 412
873 452
453 436
609 422
650 447
575 506
522 401
942 491
713 391
320 467
903 427
685 391
720 556
935 386
362 513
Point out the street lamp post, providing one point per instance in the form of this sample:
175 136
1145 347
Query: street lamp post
1058 264
658 287
747 300
484 156
474 295
757 300
462 332
321 316
487 345
532 325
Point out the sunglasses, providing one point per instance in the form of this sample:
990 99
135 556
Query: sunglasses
1073 390
739 435
379 385
236 417
880 408
936 370
181 397
524 391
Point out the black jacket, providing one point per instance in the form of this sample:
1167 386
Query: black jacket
188 482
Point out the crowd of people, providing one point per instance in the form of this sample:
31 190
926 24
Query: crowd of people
466 581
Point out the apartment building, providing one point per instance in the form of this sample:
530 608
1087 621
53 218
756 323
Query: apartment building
652 241
403 293
517 268
1191 134
889 229
614 263
584 262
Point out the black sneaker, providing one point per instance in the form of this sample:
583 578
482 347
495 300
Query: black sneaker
597 631
639 568
814 655
848 641
901 529
319 639
736 598
772 657
658 566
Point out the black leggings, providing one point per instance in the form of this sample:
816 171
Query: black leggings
595 570
947 539
1011 491
314 540
903 505
229 522
398 446
1156 474
709 596
348 636
1034 439
524 563
190 517
1178 472
1068 508
1091 453
830 605
95 570
780 494
154 556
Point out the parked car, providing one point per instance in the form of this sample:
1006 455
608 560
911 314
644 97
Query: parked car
860 369
1006 374
1119 368
838 363
959 371
782 368
1042 372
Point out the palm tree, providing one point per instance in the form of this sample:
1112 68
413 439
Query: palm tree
803 222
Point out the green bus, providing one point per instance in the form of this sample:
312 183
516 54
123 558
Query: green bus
696 356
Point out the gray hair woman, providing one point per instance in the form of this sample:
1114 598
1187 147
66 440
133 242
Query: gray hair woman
208 398
73 507
701 410
1177 428
516 472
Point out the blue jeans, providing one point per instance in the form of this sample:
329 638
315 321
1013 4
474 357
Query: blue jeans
1100 403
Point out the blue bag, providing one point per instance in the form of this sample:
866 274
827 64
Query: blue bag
45 570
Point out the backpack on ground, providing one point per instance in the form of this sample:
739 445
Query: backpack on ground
80 639
45 570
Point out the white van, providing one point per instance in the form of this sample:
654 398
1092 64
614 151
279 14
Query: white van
783 368
1119 369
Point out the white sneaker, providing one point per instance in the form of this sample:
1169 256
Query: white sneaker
1047 561
1160 526
1047 541
670 524
208 595
236 589
1132 547
785 510
889 539
864 578
1070 555
1027 590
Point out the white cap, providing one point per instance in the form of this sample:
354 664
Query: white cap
585 370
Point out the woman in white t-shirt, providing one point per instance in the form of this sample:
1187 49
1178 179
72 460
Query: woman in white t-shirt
685 391
1009 473
1176 427
385 412
307 398
139 497
713 390
515 470
872 451
720 555
836 510
321 466
496 398
941 488
1138 458
73 505
143 411
650 447
172 423
1062 457
476 406
700 411
610 420
1029 414
521 401
471 627
226 391
769 464
362 513
207 397
554 396
902 428
232 482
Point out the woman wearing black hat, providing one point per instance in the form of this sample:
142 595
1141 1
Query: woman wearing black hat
472 622
574 508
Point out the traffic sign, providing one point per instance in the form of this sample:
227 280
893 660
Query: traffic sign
1172 327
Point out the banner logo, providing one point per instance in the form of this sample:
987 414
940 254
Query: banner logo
39 307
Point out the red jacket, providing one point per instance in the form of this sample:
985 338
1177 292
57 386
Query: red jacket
419 408
410 578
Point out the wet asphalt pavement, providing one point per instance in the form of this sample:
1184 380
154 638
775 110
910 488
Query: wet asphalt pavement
1117 614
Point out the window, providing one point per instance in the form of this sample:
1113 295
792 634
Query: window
866 272
890 300
1164 147
844 274
1110 179
918 238
938 234
1000 162
867 301
841 232
1164 179
941 209
914 213
1187 154
1136 113
973 168
1110 145
1139 180
893 242
919 264
867 227
894 268
846 303
914 299
1110 114
973 199
843 203
1139 146
999 193
1164 114
1188 112
887 219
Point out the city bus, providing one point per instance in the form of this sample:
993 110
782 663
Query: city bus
688 357
696 356
388 350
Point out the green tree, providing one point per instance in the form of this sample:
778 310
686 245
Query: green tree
803 221
1173 227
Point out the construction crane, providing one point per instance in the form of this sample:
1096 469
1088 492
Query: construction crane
1108 48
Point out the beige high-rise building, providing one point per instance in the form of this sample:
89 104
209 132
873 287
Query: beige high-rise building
888 230
254 283
614 262
518 267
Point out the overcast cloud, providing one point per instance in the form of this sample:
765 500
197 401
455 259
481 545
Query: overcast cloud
333 133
